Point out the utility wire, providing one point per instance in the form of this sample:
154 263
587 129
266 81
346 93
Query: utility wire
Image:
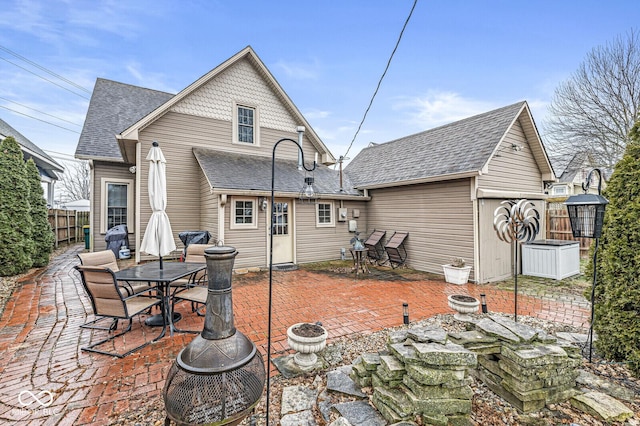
40 112
35 118
382 77
44 69
46 79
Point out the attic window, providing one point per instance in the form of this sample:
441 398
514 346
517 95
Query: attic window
245 126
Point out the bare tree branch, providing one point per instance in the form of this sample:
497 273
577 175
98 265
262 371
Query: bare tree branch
74 184
594 110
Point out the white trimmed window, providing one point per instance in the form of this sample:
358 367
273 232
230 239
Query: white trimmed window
245 125
243 215
117 203
324 214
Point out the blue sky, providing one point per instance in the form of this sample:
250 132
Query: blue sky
456 58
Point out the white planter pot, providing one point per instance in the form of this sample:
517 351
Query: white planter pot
306 346
455 275
463 305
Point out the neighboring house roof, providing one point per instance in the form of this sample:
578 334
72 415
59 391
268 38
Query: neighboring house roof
226 171
45 163
113 108
131 133
579 161
456 150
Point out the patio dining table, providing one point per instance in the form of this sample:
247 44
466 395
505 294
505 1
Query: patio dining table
170 272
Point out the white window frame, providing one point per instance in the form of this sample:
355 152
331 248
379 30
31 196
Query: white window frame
330 224
256 124
254 218
557 188
104 182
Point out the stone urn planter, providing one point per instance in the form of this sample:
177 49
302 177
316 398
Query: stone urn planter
307 339
463 305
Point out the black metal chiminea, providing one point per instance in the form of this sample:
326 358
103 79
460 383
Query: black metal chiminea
219 377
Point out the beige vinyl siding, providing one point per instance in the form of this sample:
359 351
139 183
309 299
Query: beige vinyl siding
184 190
208 209
192 131
110 171
250 243
315 243
513 170
438 217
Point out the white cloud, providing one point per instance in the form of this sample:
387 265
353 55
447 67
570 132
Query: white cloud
316 114
298 71
437 108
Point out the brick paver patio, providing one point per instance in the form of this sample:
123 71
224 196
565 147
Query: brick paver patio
46 379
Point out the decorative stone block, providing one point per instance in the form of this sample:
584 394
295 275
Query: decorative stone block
433 376
405 353
370 361
390 368
396 399
449 354
427 334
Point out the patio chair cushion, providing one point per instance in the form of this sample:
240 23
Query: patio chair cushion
106 259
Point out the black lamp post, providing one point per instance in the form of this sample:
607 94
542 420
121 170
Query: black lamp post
586 214
308 193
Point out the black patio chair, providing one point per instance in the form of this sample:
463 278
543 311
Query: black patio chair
375 250
396 252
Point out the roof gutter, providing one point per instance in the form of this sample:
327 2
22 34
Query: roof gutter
263 193
492 193
429 179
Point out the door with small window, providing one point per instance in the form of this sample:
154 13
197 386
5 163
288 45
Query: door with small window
282 232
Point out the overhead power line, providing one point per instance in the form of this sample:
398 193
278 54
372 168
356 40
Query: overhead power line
46 79
35 118
381 77
48 71
40 112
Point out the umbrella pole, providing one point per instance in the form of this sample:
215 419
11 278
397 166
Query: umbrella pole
160 262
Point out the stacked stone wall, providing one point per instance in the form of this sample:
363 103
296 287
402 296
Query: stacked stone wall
526 367
427 373
420 374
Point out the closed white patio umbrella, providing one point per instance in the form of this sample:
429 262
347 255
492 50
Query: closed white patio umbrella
158 237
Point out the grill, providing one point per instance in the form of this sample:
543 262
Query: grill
219 377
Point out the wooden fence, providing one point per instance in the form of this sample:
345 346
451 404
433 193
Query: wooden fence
559 226
67 225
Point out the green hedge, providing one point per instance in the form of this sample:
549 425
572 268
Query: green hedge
617 293
16 226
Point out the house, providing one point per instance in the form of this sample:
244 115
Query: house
444 185
49 169
574 175
221 133
218 136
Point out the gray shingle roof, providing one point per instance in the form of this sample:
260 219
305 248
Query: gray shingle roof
113 108
459 147
252 172
46 163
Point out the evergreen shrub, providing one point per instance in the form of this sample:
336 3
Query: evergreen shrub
617 293
15 212
42 234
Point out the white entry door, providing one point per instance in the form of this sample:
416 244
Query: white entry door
282 232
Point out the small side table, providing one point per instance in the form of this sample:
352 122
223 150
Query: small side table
360 261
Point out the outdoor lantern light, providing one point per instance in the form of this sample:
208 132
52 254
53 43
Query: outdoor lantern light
483 302
309 193
405 312
586 213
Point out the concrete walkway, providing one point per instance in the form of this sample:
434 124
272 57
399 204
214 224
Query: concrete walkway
46 379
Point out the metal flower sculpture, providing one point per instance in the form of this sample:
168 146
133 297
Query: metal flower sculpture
516 221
